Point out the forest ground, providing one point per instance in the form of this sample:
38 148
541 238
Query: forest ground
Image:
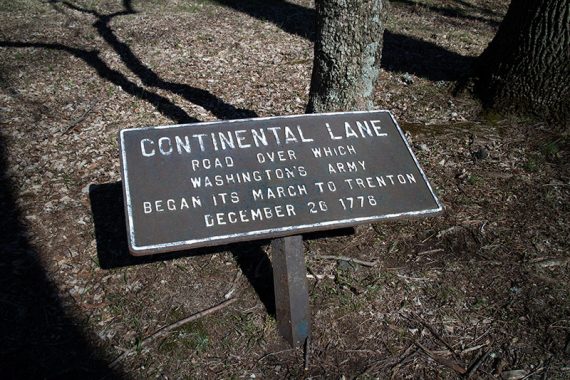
482 289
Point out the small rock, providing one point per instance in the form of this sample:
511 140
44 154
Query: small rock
423 147
481 154
407 78
344 265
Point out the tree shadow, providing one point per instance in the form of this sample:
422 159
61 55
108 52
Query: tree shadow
91 57
292 18
400 53
149 78
40 340
457 13
423 59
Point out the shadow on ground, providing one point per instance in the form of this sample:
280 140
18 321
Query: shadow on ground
40 340
113 249
487 16
400 53
149 78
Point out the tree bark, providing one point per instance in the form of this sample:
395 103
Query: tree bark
526 67
347 54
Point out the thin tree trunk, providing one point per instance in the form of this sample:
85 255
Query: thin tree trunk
347 54
527 65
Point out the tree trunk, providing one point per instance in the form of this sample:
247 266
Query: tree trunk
526 68
347 54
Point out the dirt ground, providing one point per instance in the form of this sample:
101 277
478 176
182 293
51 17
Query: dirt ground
481 291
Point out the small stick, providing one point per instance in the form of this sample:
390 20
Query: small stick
475 348
76 122
475 366
430 251
164 330
412 278
349 259
435 334
443 361
547 263
404 356
274 353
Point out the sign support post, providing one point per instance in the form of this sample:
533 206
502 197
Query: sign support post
291 293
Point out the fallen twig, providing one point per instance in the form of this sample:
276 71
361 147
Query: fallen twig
475 348
443 361
274 353
430 251
447 231
349 259
413 278
435 334
403 357
82 117
319 277
475 366
553 262
165 330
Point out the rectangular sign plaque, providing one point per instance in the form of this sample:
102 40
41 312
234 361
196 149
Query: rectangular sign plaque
202 184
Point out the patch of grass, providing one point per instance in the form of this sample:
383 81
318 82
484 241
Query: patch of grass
447 294
548 152
374 285
493 117
19 56
192 336
128 311
474 179
532 165
462 36
551 150
480 303
327 290
68 180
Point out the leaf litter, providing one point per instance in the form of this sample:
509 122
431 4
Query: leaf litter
482 289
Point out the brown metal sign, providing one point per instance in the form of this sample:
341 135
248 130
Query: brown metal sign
212 183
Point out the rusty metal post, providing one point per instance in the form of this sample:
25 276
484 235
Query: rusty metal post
291 293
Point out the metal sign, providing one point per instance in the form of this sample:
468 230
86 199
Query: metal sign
212 183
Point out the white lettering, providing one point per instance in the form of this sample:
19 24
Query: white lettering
161 142
144 151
